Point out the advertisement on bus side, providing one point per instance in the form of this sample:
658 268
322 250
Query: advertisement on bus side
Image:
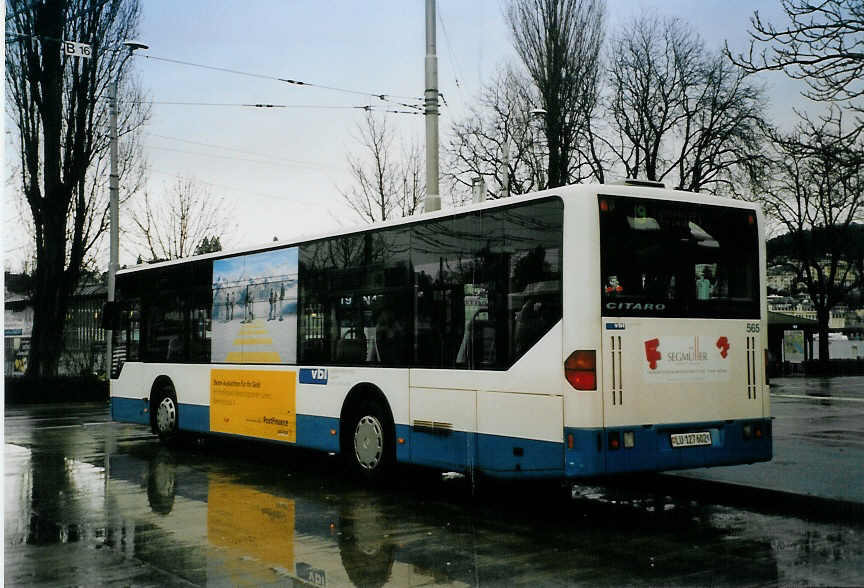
254 403
686 359
255 308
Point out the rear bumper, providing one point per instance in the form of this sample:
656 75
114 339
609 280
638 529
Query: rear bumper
592 452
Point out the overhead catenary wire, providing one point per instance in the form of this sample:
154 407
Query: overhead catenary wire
262 105
385 97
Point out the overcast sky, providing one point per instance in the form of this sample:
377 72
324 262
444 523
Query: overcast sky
280 169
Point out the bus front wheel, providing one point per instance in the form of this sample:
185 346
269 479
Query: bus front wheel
369 448
165 420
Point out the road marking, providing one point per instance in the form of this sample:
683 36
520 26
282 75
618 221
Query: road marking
805 397
81 425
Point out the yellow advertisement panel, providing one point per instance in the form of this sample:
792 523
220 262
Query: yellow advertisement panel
254 403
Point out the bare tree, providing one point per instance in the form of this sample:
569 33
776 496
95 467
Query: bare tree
384 187
57 104
813 188
822 44
676 109
652 66
721 130
498 141
178 224
412 180
559 44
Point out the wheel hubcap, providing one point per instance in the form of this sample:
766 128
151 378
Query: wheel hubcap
166 416
368 442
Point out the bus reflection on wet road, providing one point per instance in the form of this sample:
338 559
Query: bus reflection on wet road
103 503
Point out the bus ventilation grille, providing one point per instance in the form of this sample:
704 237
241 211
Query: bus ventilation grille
751 368
437 427
617 378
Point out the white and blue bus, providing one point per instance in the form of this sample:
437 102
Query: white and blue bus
580 331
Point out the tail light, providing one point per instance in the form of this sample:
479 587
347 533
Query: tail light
580 369
756 430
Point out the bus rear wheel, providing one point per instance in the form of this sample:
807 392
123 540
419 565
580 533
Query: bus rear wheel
165 421
369 447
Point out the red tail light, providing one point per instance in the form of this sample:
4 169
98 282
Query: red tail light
580 369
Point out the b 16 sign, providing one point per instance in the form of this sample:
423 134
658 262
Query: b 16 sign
76 49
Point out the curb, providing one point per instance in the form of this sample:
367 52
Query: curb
765 499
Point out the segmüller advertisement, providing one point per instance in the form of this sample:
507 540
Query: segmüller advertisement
670 359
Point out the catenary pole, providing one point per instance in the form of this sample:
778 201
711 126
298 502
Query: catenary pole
433 198
114 201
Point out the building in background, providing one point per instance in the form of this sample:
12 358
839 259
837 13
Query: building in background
84 339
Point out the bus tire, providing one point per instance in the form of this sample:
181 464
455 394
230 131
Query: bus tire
166 414
369 445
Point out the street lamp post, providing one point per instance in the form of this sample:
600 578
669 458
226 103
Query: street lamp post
114 200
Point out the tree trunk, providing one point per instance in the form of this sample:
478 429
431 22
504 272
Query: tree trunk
823 315
53 286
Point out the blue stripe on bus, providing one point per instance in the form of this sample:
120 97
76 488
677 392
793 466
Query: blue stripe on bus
503 456
495 455
314 432
194 417
130 410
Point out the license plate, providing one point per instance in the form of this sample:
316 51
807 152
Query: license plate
691 439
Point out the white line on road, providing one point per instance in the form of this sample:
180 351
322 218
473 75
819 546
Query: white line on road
80 425
805 397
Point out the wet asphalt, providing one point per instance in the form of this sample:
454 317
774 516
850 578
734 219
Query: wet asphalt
92 502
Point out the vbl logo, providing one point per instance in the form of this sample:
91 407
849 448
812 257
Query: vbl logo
313 376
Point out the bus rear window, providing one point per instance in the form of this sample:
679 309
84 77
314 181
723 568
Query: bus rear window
674 259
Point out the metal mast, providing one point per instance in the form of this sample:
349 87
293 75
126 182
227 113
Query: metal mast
433 198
